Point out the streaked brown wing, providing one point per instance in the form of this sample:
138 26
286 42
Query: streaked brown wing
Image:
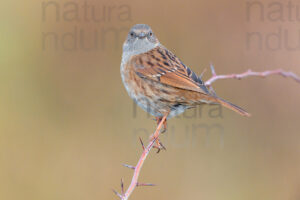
163 66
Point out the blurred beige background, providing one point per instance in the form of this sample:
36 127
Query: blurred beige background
67 123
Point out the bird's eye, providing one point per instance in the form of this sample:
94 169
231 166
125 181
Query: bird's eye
131 34
150 33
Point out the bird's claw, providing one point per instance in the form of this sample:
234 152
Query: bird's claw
159 146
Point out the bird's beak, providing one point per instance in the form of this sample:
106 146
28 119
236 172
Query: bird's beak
142 35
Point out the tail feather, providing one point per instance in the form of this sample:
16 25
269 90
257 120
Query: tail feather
232 107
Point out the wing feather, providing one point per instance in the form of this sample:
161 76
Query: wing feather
159 64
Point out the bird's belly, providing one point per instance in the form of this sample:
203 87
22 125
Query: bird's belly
177 111
156 107
150 96
148 101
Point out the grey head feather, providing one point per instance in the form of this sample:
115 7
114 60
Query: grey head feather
140 39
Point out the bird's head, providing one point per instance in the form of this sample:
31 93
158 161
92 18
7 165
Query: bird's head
140 39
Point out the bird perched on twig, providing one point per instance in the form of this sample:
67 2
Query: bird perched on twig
158 81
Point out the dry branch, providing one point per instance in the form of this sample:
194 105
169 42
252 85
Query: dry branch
250 73
146 149
137 169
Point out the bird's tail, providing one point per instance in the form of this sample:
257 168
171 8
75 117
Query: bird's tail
232 107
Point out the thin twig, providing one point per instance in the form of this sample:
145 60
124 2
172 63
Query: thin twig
250 73
137 169
129 166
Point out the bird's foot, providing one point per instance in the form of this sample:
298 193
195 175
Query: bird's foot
158 119
159 146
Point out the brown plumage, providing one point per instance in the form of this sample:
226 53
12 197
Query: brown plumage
158 81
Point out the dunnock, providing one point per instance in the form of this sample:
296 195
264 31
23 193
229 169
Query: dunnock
158 81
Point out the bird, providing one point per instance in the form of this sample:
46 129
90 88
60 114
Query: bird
159 82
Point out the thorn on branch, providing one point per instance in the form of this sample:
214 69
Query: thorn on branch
201 75
212 69
122 187
144 184
142 143
129 166
118 194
